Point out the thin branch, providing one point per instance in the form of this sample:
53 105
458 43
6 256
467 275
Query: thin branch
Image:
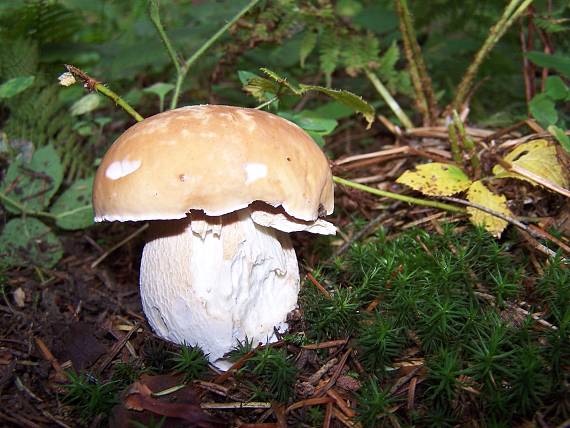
21 207
513 10
515 222
92 84
182 70
119 245
392 103
517 169
418 70
154 15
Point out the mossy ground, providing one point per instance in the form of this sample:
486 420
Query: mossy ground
432 328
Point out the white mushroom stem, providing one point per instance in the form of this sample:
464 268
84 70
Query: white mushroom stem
211 281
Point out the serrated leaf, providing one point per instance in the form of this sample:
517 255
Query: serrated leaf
257 86
481 195
307 45
29 242
33 184
538 157
282 81
543 110
85 104
261 89
16 85
73 209
436 179
355 102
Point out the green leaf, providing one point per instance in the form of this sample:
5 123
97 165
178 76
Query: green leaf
561 136
305 120
160 89
333 110
355 102
29 242
436 179
245 76
543 110
33 184
260 87
73 209
558 62
16 85
556 89
307 45
481 195
85 104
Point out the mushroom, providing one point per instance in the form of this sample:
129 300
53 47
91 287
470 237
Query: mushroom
222 187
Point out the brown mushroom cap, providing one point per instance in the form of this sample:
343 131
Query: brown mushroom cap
213 158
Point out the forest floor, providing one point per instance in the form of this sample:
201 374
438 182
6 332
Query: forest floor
88 320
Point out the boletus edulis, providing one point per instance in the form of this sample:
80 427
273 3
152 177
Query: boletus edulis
221 188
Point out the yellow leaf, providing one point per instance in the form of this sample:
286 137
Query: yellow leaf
538 157
436 179
479 194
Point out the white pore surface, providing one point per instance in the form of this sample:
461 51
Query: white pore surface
211 281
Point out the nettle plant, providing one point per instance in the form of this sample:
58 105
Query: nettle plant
27 192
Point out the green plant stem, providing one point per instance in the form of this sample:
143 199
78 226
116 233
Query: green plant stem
468 143
398 197
392 103
420 77
454 141
154 15
513 10
94 85
23 208
99 87
182 70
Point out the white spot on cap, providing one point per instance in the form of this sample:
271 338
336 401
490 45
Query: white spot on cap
254 171
119 169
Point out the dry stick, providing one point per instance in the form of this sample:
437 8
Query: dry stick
420 78
236 405
116 349
513 10
518 309
372 155
182 69
321 391
309 402
361 233
316 283
324 345
533 177
502 216
340 403
50 357
94 85
119 245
